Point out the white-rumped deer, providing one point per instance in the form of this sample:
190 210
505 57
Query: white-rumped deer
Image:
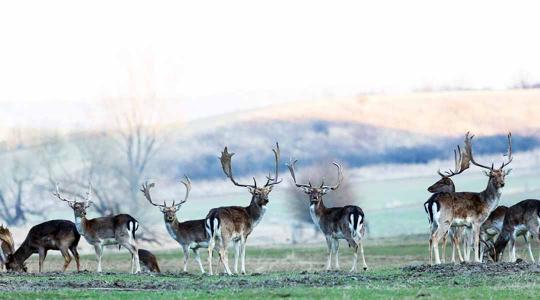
191 235
469 208
98 232
335 222
446 185
51 235
235 223
519 219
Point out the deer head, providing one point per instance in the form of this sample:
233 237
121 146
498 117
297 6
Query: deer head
14 266
259 193
316 192
79 207
169 212
496 175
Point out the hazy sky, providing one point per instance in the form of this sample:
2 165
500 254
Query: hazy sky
228 55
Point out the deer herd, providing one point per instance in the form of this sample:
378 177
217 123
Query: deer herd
472 220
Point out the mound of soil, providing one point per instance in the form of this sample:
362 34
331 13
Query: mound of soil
503 268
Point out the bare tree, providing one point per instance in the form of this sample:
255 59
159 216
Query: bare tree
14 190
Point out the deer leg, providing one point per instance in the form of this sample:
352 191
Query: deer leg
135 264
42 254
528 241
441 231
476 234
198 259
185 250
336 254
75 253
445 237
67 258
211 245
243 257
330 248
236 255
99 253
223 256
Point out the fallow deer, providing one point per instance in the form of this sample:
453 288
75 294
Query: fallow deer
520 218
335 222
7 246
98 232
446 185
51 235
148 261
235 223
191 235
468 208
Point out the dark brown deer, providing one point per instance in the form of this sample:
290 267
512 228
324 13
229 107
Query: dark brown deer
520 219
469 208
191 235
148 261
59 235
446 185
235 223
99 232
335 222
7 246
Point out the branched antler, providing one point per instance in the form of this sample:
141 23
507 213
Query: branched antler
339 179
226 164
291 165
145 189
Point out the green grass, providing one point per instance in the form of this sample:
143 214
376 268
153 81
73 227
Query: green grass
283 276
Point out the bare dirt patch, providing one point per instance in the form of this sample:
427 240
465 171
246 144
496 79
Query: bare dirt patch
474 268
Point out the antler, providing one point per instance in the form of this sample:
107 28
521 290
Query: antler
187 184
146 191
461 163
57 194
339 179
468 149
509 153
227 168
291 165
277 155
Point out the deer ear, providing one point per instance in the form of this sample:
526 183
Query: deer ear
306 190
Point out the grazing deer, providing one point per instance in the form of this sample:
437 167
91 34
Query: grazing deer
468 208
520 219
148 261
335 222
98 232
7 246
235 223
51 235
191 235
446 185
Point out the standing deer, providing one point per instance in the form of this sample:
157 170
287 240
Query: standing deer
148 261
7 246
468 208
191 235
521 218
51 235
235 223
98 232
446 185
335 222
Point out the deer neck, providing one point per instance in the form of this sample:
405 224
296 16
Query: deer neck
23 253
255 211
80 224
316 210
492 193
172 228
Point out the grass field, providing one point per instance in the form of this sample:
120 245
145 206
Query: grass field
397 270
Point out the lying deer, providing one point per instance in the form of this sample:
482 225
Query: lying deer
99 232
336 222
519 219
7 246
191 235
468 208
51 235
235 223
148 261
